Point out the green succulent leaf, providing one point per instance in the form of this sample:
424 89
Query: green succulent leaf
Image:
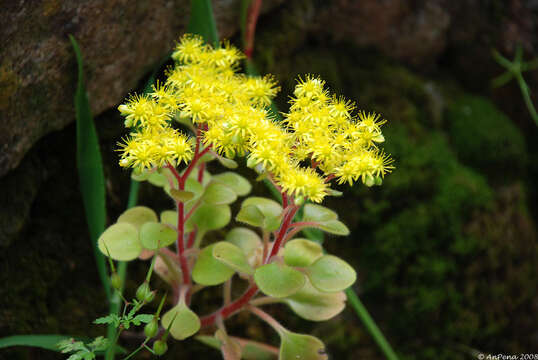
209 217
169 217
210 271
278 280
181 195
260 212
191 185
121 242
318 213
219 194
154 235
301 252
237 183
157 177
186 322
232 256
250 215
311 304
295 346
334 227
138 216
244 238
227 163
267 206
331 274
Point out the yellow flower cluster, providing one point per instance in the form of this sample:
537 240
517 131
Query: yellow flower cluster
231 111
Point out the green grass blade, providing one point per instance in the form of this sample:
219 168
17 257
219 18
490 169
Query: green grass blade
202 21
243 14
90 169
47 342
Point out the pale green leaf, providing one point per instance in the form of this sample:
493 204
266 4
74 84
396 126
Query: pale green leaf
210 271
209 217
312 304
154 235
237 183
278 280
244 238
232 256
121 242
334 227
318 213
219 194
138 216
331 274
295 346
186 322
301 252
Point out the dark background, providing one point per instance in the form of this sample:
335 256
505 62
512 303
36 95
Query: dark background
445 250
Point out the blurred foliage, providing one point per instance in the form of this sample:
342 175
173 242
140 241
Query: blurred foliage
485 138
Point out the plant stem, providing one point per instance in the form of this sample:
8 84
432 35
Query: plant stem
283 229
252 18
230 309
527 97
267 318
264 301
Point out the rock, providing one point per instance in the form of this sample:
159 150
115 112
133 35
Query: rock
120 42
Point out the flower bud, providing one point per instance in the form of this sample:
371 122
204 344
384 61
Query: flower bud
151 328
115 281
160 347
144 293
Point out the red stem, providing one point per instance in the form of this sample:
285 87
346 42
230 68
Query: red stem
197 156
201 169
190 241
228 310
303 224
252 18
181 243
283 229
284 200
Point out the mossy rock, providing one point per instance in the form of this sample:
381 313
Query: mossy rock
485 138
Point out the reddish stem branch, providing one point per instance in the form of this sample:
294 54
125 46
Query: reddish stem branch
181 243
201 170
190 241
197 156
230 309
252 19
283 229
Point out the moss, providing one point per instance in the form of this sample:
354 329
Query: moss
425 259
485 138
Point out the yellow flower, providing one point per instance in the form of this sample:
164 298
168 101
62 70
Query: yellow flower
319 130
